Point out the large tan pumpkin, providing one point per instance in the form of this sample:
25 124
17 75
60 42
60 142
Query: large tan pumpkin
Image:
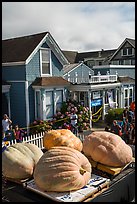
61 137
107 148
19 160
62 169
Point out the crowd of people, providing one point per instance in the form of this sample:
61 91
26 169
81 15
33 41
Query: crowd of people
9 133
125 128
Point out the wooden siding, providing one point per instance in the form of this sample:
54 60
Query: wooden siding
13 73
82 72
124 72
56 66
18 105
33 68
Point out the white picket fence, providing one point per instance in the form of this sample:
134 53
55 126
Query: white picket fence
37 139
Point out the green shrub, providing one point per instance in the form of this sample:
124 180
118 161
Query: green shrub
113 114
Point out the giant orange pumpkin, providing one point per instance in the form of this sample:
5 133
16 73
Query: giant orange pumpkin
19 160
62 169
107 148
61 137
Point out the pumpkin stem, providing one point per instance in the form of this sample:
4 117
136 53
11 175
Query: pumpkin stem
82 171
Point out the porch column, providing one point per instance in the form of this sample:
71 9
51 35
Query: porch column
55 101
90 111
116 97
103 102
8 99
27 104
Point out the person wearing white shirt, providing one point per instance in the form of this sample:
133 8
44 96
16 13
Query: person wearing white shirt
73 118
5 123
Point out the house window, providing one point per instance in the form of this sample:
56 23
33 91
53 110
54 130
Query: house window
121 62
128 96
45 62
132 62
59 99
49 104
127 51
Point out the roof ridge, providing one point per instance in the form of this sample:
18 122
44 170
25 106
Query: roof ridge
24 36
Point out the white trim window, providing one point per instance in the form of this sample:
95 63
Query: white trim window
128 96
127 51
45 58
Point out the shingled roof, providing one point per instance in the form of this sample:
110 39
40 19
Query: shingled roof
131 41
126 79
75 57
50 81
67 68
95 54
70 55
18 49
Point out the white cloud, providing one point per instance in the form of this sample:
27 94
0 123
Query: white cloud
80 26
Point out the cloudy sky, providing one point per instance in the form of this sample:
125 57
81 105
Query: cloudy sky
75 26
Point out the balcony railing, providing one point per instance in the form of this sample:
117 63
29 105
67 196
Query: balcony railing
93 79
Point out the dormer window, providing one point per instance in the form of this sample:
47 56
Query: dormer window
127 51
45 61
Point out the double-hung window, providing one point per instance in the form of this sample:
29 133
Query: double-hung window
127 51
45 62
128 96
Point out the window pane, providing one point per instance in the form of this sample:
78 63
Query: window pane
59 96
49 111
45 55
49 99
132 62
126 93
130 51
130 93
125 51
45 68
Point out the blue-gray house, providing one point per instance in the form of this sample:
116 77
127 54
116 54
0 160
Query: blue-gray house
33 85
32 77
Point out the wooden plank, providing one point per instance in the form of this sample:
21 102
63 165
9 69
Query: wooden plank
109 169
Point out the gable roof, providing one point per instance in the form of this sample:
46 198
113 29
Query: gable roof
130 41
18 49
69 67
21 49
50 81
70 55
